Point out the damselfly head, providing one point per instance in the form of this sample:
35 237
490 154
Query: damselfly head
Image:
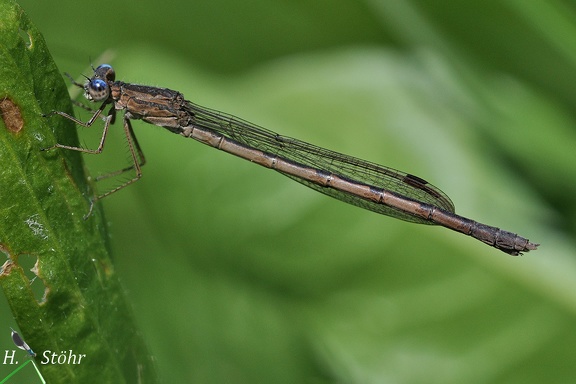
97 88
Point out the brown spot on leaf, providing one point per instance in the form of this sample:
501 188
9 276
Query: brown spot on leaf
6 269
11 115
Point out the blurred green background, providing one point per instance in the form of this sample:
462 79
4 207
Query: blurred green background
239 275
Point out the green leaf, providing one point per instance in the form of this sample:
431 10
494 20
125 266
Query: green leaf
44 198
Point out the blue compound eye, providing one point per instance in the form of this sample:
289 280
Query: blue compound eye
97 90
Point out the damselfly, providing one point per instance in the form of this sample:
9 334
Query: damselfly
358 182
